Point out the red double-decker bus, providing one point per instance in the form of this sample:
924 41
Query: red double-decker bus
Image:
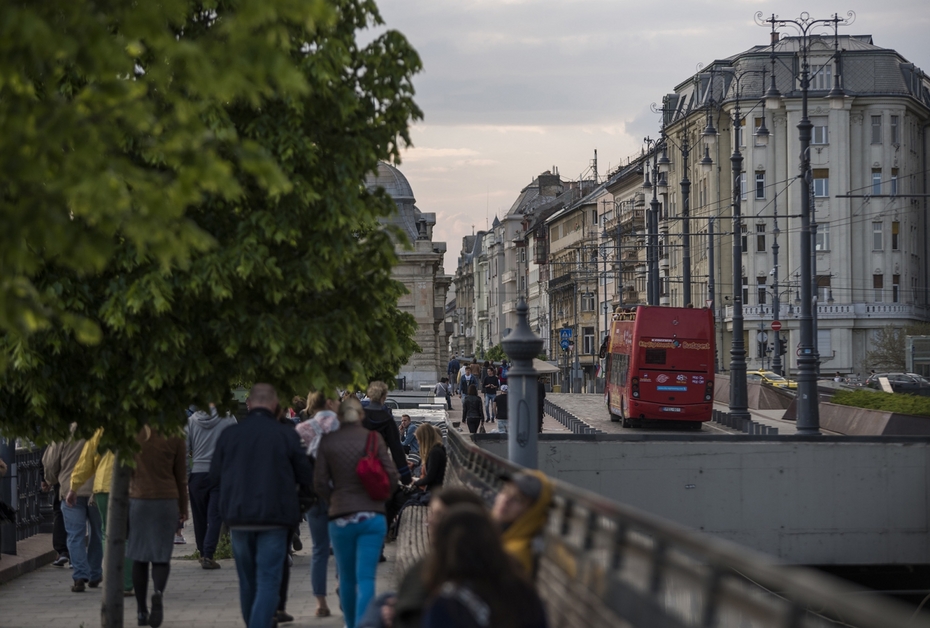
660 365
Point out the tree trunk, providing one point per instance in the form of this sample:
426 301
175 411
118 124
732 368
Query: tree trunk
111 611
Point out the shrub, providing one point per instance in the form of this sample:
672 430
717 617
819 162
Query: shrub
887 402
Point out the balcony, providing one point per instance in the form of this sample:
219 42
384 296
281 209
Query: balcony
560 281
633 219
509 306
509 276
845 311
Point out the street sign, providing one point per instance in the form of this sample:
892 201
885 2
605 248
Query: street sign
762 336
776 325
565 334
564 344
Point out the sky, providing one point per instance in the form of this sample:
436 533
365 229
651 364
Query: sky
511 88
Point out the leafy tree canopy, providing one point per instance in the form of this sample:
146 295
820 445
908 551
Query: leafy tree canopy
297 290
112 125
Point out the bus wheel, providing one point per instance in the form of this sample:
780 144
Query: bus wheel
613 417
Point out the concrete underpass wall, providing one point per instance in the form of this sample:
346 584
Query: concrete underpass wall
837 501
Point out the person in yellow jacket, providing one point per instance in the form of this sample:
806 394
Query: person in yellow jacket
521 508
92 462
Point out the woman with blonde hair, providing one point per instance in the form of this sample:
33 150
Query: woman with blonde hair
323 420
431 450
357 523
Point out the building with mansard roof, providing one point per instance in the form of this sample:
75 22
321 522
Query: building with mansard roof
869 165
420 269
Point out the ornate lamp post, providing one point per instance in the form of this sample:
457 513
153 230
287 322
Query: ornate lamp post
521 346
808 421
652 221
739 401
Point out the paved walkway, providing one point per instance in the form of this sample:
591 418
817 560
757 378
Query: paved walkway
194 596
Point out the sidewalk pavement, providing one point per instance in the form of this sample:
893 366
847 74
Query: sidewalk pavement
194 596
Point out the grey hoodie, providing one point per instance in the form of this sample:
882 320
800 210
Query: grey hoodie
203 430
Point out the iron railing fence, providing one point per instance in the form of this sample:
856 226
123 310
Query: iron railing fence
607 564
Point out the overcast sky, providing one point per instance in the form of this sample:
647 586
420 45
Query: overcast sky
511 88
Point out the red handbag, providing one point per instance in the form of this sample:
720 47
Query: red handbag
372 474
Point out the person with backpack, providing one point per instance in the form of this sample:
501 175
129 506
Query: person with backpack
453 370
445 391
322 421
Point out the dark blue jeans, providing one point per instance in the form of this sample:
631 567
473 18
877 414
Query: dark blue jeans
318 522
259 556
205 511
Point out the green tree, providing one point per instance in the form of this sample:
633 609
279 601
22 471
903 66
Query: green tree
496 353
888 352
297 290
112 124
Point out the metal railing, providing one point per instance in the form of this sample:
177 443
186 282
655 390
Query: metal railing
21 489
607 564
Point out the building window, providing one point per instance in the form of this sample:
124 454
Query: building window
876 129
822 241
703 192
895 288
894 181
760 290
878 241
823 288
739 132
878 282
760 185
821 135
821 182
876 181
588 335
760 238
745 239
745 290
822 78
587 302
742 186
824 347
894 129
894 235
522 283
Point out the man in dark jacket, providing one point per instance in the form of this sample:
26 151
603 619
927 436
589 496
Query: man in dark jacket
379 419
257 465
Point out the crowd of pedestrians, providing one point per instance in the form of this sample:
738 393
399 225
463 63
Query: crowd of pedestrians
345 466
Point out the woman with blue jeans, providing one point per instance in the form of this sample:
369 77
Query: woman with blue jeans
357 523
323 421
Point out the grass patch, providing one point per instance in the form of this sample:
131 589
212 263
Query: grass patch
223 550
886 402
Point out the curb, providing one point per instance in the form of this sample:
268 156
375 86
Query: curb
32 553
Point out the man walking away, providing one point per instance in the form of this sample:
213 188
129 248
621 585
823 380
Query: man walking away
203 432
443 390
501 403
257 465
81 518
453 370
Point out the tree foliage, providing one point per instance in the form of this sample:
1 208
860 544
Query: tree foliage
297 290
112 126
888 352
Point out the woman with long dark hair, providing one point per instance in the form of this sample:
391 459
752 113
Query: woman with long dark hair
472 581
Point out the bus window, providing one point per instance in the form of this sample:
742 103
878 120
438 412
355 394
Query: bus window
655 356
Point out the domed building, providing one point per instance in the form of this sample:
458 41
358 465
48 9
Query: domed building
421 271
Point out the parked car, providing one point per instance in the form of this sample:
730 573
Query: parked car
771 378
909 383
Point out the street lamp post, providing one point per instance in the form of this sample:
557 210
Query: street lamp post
652 224
808 420
739 400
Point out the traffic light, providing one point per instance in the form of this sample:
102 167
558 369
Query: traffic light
783 346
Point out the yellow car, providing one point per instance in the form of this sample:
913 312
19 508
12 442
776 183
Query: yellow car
772 378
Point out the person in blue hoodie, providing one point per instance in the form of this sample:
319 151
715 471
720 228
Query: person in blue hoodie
203 431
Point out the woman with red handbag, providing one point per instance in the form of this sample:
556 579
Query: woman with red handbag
355 474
